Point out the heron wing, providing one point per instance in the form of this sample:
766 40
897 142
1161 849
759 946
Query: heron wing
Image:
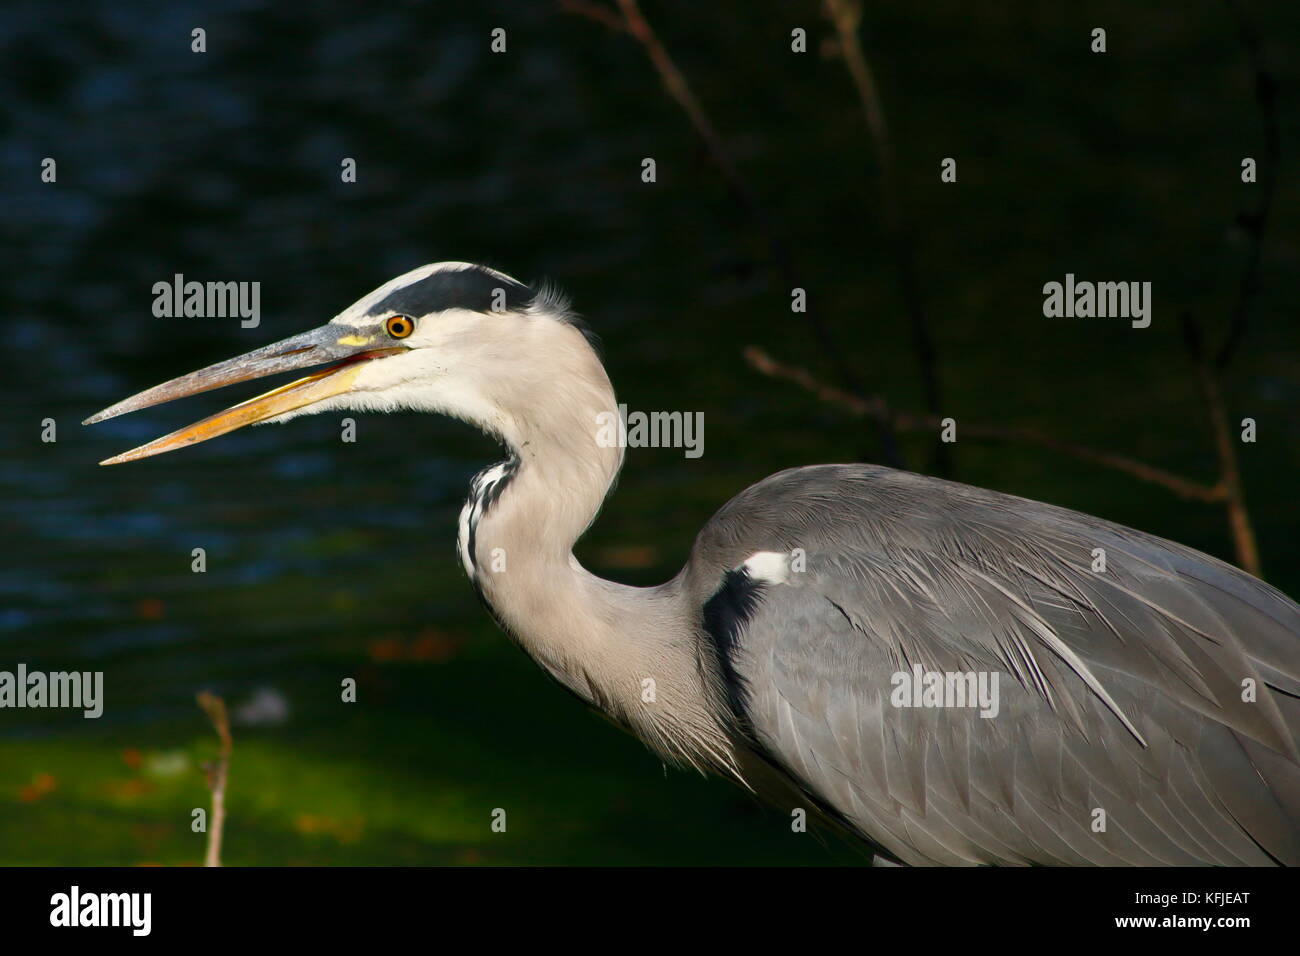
1146 713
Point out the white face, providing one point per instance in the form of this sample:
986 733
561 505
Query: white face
457 359
461 340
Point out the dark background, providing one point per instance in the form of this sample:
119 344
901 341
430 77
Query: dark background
329 560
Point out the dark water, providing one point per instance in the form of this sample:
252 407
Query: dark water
225 166
219 165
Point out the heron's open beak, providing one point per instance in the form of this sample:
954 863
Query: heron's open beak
323 345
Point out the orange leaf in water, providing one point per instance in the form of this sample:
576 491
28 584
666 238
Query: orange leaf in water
434 645
150 609
42 783
128 789
384 649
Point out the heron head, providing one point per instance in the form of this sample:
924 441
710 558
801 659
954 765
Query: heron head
452 337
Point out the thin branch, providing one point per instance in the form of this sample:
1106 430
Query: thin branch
597 12
1234 499
846 17
629 19
1254 223
877 407
215 708
1210 370
1243 533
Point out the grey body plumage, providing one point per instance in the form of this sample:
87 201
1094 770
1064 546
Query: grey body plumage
902 569
1147 708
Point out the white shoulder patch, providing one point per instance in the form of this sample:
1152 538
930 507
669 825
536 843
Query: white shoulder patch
770 567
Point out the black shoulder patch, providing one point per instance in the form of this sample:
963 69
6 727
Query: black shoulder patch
724 617
471 288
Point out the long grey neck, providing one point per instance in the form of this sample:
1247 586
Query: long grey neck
630 652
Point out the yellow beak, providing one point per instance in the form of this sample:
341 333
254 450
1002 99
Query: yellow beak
302 351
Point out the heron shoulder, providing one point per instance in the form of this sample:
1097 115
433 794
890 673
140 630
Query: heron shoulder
1114 661
799 508
913 560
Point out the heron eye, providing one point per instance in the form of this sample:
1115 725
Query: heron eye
399 326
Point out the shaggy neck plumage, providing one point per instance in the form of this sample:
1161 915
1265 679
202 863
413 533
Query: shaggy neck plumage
520 524
522 520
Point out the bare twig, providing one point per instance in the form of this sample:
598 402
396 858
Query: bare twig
1266 169
1210 369
1243 533
598 12
877 407
629 19
1234 499
215 708
846 16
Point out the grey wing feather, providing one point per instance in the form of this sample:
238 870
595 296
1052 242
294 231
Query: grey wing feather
1126 734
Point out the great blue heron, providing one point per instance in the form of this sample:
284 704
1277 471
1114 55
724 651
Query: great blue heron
825 641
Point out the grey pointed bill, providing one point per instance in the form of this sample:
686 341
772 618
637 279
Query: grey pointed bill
341 351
